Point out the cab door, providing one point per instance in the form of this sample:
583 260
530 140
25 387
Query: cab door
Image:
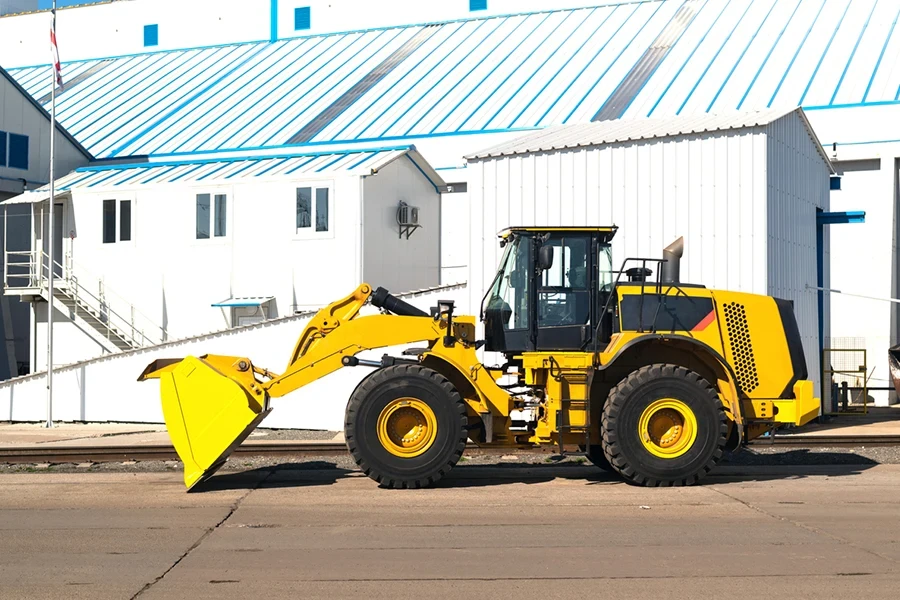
565 294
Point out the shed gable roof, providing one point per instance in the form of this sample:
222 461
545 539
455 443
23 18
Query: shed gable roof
584 135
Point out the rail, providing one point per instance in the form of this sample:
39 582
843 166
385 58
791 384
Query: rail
29 270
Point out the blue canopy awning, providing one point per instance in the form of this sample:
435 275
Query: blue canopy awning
244 301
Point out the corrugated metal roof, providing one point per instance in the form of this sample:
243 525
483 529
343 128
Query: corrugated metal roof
598 133
293 166
12 81
506 73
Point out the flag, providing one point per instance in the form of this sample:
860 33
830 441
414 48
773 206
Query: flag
55 50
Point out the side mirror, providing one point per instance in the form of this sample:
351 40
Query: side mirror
545 258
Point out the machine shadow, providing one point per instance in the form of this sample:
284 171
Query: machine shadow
285 475
745 467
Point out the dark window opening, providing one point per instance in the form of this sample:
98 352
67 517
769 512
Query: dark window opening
124 220
18 151
220 215
2 148
322 209
203 216
109 221
304 207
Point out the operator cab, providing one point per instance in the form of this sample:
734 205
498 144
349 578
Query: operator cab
550 290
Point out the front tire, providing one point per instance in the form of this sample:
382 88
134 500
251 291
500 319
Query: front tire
663 425
405 426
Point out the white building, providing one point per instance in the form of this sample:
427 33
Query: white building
24 164
157 251
744 190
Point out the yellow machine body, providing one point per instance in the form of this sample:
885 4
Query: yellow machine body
740 343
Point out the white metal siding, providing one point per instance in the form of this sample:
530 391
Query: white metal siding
400 265
797 185
709 188
19 115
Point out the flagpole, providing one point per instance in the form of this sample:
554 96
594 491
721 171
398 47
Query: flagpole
55 76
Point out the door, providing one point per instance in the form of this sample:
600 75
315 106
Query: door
564 294
59 214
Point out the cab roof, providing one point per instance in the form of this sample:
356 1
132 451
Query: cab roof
610 230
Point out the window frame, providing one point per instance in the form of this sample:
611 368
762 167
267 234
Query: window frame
310 233
213 191
118 199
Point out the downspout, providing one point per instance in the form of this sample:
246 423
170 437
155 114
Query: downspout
360 253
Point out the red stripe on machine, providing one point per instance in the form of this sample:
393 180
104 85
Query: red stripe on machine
706 321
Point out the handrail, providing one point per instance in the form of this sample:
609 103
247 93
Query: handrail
116 325
106 292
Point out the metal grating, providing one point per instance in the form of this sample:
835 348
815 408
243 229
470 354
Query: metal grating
741 346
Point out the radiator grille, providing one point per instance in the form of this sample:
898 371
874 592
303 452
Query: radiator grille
741 347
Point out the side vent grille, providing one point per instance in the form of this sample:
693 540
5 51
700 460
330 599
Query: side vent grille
741 348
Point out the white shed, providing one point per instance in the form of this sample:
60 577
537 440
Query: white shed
161 250
743 189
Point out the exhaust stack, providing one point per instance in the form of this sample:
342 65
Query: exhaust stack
671 269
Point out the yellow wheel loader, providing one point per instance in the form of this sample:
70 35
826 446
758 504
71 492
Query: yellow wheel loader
647 376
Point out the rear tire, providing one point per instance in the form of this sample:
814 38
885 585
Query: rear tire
663 425
405 426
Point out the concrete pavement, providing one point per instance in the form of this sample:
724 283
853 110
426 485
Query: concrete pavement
543 531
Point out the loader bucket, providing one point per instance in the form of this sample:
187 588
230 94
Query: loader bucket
207 413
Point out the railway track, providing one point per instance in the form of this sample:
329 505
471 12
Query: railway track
98 454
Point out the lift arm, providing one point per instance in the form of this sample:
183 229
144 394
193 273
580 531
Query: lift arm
337 333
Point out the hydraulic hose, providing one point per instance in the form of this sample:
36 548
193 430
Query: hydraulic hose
382 298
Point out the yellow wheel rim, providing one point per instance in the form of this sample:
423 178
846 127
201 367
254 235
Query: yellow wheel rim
407 427
667 428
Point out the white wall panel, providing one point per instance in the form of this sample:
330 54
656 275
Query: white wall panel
400 265
797 185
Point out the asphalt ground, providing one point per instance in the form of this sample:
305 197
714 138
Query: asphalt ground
498 528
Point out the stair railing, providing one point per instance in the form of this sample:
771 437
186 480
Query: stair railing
30 270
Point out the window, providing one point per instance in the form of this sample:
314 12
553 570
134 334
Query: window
125 221
309 213
477 5
109 221
2 148
321 209
18 151
151 35
212 216
564 295
301 18
220 215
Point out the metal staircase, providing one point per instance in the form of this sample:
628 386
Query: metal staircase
105 316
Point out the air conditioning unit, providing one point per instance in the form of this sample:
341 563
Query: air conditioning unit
407 219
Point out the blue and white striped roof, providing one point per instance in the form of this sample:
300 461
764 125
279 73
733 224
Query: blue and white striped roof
294 167
519 72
